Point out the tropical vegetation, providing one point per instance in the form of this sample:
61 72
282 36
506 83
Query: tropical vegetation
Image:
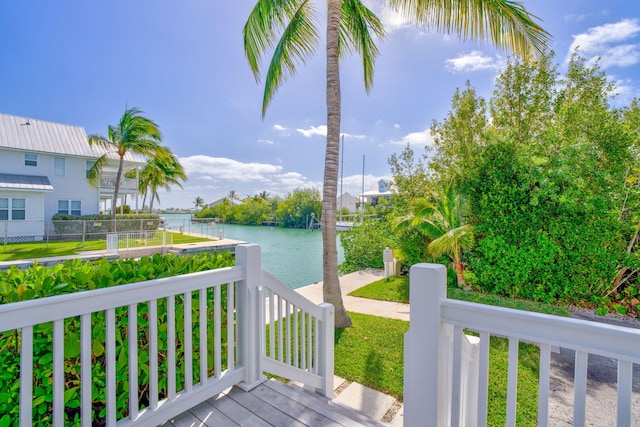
547 169
290 31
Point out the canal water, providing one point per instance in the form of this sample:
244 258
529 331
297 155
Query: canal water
292 255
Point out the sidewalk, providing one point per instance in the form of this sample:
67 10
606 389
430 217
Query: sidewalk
379 405
352 281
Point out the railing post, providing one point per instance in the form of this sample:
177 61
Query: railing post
326 353
248 314
422 403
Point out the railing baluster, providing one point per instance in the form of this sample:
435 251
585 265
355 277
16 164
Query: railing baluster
456 379
303 339
133 361
217 336
296 352
512 382
86 411
203 352
272 327
288 331
188 343
316 345
171 346
280 351
310 343
580 389
111 366
58 372
231 329
625 377
483 378
153 353
543 385
26 376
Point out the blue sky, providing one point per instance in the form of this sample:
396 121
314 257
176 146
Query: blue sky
82 62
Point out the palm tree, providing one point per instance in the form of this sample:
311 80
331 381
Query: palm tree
198 202
162 171
441 221
232 196
290 29
134 133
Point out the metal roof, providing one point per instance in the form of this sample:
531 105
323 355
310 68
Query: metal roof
39 136
24 182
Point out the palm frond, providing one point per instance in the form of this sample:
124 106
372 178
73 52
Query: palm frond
94 172
298 41
357 29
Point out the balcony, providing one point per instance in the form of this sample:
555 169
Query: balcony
108 184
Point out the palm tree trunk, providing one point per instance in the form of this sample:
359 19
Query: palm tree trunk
331 283
116 190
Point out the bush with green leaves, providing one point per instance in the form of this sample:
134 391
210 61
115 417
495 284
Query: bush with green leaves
363 245
75 276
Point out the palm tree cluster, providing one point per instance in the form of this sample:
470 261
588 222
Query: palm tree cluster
138 135
290 30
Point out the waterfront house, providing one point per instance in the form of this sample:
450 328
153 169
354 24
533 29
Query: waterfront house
381 194
43 171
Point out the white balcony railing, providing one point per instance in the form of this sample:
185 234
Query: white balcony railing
447 384
199 333
126 184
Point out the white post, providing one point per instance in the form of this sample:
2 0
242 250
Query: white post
428 286
248 314
326 354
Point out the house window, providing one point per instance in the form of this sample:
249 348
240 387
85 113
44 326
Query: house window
59 166
70 207
90 164
31 160
4 209
17 210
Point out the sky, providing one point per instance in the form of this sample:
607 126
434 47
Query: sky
84 62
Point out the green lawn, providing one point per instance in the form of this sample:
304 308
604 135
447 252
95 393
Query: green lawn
371 352
30 250
397 289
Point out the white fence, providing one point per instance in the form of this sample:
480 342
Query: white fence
136 240
447 384
205 330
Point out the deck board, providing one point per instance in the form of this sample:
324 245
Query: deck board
272 404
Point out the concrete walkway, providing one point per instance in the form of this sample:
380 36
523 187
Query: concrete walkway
379 405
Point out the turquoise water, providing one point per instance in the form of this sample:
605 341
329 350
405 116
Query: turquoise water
293 256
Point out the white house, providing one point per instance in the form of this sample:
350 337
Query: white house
380 195
43 171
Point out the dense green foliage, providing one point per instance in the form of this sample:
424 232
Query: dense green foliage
294 211
364 243
548 171
75 276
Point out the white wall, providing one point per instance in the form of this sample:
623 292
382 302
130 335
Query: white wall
73 186
33 225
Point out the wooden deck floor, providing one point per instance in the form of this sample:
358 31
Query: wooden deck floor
272 404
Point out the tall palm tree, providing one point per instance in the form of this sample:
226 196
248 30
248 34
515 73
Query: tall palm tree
135 134
232 196
441 221
290 30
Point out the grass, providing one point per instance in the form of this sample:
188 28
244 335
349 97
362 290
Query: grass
30 250
371 353
397 289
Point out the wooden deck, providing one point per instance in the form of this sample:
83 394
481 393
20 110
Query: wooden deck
272 404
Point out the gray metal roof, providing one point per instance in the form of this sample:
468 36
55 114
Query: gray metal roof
24 182
39 136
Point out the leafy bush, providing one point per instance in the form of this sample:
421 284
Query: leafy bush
363 245
75 276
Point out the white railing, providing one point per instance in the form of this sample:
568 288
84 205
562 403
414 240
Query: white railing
438 396
126 184
296 346
151 349
138 239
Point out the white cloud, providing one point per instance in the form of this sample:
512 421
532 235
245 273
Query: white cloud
280 128
474 61
423 138
391 20
313 130
610 42
322 131
396 126
227 169
266 141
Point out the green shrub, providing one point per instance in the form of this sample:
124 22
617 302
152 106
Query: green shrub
363 245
